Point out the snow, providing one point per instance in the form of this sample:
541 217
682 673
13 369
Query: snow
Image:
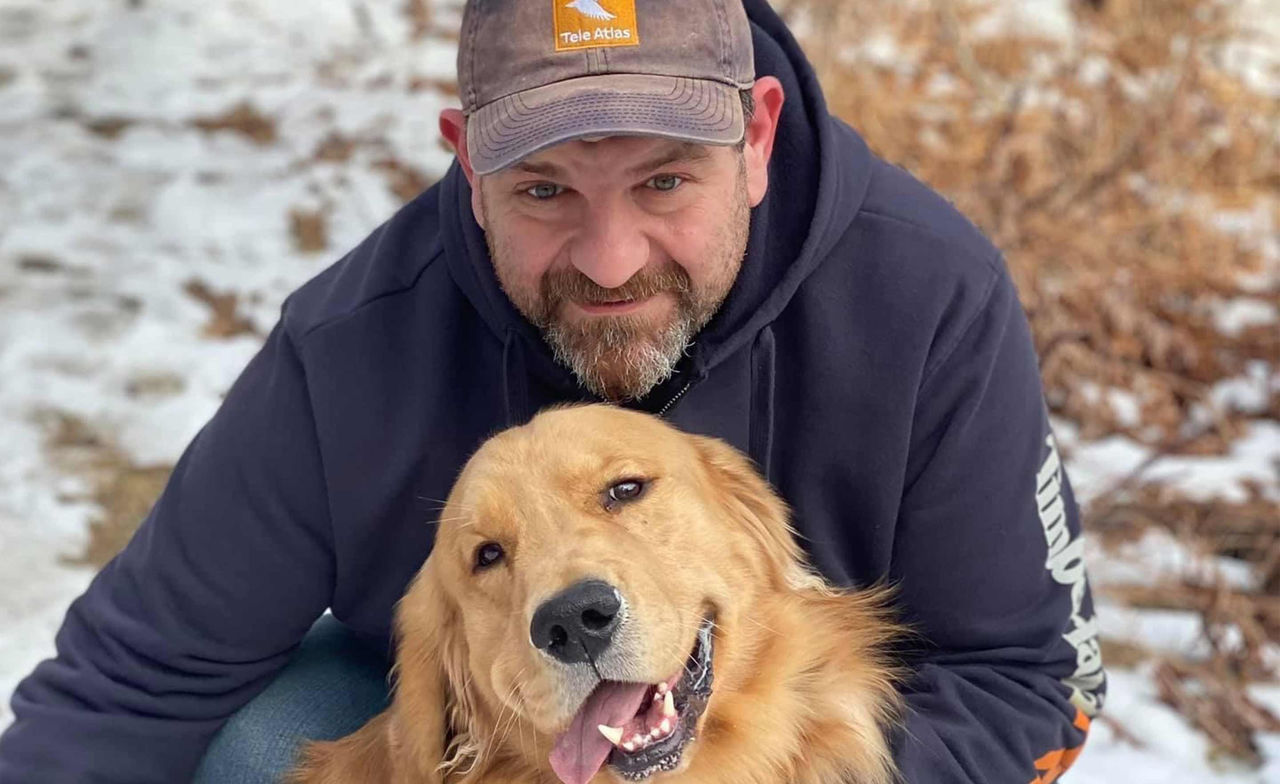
1250 392
1235 316
1159 557
1255 55
1095 466
99 235
1126 406
1050 19
1171 752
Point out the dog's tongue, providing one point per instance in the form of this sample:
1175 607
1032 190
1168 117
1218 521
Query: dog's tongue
581 750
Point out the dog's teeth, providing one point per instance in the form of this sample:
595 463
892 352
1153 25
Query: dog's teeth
614 734
629 746
665 726
662 689
668 705
654 733
637 740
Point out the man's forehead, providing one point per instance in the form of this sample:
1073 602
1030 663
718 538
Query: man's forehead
634 154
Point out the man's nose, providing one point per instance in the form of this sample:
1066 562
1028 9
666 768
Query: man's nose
611 247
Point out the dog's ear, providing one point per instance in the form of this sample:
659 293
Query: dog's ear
428 732
433 714
753 504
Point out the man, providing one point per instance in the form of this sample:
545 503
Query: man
617 226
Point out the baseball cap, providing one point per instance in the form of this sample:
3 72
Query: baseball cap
535 73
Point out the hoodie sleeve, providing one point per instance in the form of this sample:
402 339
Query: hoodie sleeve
200 610
989 559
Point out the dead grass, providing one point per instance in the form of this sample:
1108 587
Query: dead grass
405 180
309 229
245 119
421 20
225 320
122 490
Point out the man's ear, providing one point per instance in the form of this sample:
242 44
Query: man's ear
761 131
453 127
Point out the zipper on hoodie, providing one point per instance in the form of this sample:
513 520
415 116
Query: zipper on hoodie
675 398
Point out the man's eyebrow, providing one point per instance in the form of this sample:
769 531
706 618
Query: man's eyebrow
685 152
549 170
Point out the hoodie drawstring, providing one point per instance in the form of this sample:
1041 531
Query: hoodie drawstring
760 434
515 380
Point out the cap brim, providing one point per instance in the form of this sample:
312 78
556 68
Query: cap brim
511 128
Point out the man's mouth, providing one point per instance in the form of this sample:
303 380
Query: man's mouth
638 729
612 307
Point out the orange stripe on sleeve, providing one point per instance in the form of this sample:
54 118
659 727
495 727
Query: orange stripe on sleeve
1054 763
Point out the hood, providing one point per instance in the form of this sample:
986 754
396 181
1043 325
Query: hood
818 176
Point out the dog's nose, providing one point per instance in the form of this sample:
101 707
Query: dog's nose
577 623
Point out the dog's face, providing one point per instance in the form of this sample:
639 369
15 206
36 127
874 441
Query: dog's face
588 574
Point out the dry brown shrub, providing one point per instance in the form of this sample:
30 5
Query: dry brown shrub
1094 166
1214 700
1247 530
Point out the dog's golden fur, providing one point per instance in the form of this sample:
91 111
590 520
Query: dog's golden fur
804 691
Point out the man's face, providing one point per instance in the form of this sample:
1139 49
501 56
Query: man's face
620 250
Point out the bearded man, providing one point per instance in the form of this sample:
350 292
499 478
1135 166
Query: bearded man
650 206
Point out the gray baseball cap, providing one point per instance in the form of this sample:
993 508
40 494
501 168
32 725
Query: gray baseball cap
535 73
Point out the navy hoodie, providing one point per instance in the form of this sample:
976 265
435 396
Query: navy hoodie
872 358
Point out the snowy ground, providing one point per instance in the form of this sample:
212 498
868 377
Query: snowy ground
113 198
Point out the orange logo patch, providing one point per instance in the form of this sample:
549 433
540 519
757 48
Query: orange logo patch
583 24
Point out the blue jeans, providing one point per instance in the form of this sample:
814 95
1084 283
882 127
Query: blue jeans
335 683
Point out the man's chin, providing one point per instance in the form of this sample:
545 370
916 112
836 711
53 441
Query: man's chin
623 356
620 379
616 372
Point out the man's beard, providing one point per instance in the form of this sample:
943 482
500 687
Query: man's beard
624 357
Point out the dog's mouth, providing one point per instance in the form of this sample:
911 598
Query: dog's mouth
655 739
638 729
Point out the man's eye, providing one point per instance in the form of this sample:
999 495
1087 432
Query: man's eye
665 182
544 190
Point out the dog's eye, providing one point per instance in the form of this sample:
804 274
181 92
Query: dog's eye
488 554
624 491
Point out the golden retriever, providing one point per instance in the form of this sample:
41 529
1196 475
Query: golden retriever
612 600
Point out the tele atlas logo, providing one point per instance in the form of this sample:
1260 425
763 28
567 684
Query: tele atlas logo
583 24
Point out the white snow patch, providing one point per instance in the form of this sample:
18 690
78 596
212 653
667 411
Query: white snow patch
1249 393
1097 466
1051 19
1125 404
1172 751
1234 316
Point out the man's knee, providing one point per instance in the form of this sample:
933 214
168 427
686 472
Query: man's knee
332 686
